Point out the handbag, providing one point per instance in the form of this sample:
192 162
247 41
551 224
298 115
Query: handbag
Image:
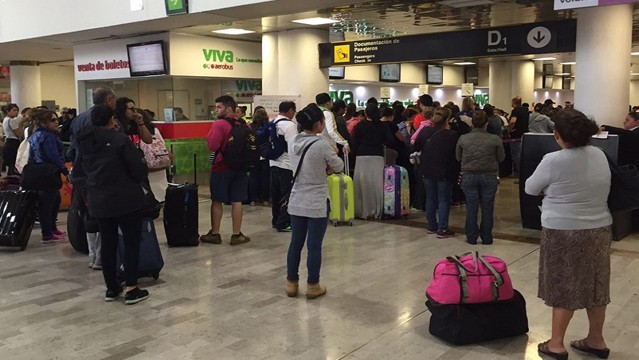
284 200
41 176
470 279
22 158
155 154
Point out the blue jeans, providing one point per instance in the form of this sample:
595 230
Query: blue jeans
480 191
48 207
438 195
312 231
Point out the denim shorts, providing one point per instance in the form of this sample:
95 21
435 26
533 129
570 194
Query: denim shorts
229 186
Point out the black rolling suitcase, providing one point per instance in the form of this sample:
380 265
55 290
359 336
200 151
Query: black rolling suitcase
463 324
181 213
17 217
151 261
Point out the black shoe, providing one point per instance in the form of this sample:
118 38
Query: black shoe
135 296
112 294
471 242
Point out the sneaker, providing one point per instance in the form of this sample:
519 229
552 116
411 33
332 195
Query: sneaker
211 238
97 267
112 294
135 296
52 239
286 229
59 232
446 233
239 239
431 231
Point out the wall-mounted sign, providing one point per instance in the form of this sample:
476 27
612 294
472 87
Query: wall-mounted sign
107 59
539 38
385 92
467 89
423 89
576 4
211 57
176 7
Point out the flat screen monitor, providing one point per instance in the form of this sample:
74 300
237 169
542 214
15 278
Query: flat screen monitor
390 72
147 58
434 74
336 72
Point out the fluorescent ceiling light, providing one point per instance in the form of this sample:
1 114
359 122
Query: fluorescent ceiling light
562 74
233 31
462 63
634 53
545 59
315 21
634 74
569 63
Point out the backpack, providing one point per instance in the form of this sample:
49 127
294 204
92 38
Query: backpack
241 153
271 145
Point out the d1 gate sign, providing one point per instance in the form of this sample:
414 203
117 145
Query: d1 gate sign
539 38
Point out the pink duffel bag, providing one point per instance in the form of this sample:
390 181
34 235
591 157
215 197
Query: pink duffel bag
470 279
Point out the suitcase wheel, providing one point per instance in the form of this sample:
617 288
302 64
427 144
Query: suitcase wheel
334 223
350 223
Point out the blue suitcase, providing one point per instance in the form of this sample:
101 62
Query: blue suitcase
151 262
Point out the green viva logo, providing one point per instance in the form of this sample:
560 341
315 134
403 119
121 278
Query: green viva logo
246 85
214 55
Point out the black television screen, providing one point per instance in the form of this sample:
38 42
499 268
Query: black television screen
390 72
336 72
146 58
434 74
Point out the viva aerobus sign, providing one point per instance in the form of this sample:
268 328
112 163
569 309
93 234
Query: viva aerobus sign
221 59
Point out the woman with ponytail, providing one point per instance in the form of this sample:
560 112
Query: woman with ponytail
308 202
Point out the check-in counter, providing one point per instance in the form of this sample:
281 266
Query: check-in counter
533 149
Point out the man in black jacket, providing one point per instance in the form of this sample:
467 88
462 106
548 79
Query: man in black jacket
628 139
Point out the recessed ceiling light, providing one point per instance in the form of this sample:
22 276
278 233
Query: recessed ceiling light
462 63
634 53
545 59
569 63
233 31
562 74
315 21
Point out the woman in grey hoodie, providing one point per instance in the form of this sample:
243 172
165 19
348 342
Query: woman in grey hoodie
308 202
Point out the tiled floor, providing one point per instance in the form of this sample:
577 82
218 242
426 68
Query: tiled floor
223 302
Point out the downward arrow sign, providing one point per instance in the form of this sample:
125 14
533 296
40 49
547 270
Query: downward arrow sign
539 38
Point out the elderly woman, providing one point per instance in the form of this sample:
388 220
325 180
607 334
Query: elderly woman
574 259
480 154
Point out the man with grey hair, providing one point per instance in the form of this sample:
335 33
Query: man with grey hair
101 96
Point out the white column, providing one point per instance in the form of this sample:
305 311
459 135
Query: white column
270 70
297 61
602 77
499 85
523 80
26 88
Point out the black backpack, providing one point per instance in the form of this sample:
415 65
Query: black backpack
241 153
271 145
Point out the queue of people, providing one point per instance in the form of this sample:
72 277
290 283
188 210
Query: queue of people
574 269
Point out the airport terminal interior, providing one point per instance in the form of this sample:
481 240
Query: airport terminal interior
217 301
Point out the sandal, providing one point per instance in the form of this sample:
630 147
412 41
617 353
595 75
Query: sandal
543 349
582 346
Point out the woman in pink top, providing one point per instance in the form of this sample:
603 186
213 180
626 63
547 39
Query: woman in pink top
350 124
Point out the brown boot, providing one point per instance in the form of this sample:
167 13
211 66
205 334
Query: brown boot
315 290
292 287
